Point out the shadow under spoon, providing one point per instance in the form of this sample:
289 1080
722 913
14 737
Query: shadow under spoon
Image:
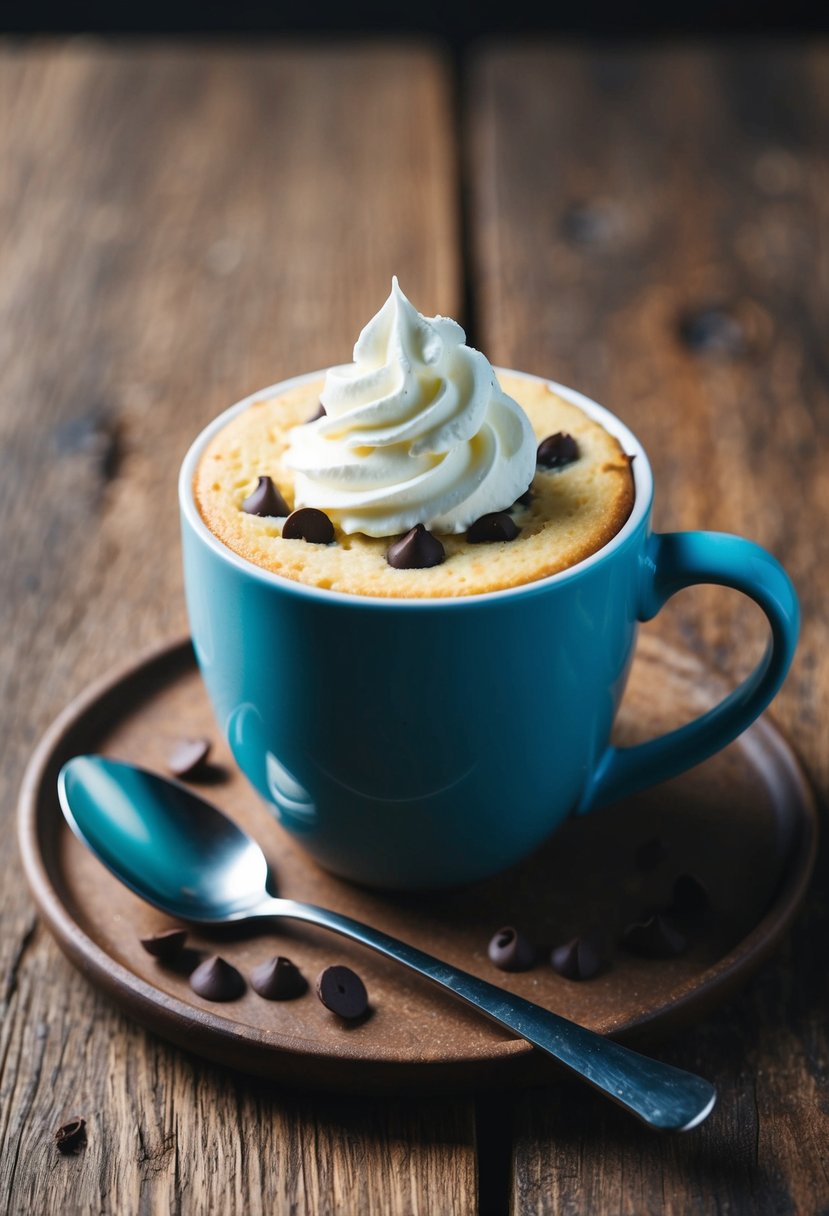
186 857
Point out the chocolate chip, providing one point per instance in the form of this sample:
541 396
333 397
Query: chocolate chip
526 498
216 980
651 853
342 991
655 937
581 958
509 950
278 979
690 898
497 525
557 450
265 500
71 1136
307 523
166 945
188 757
417 550
319 412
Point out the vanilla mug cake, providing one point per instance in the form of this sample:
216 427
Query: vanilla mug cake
418 433
414 583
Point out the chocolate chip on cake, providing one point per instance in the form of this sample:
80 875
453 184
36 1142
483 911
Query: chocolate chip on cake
524 499
654 937
166 945
497 525
278 979
581 958
217 980
307 523
417 550
265 500
71 1136
319 412
509 950
188 757
342 991
557 450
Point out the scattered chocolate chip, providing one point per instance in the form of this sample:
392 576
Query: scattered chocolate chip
509 950
581 958
712 331
216 980
265 500
342 991
417 550
690 898
655 937
71 1136
278 979
526 498
651 853
497 525
188 757
166 945
307 523
318 413
557 450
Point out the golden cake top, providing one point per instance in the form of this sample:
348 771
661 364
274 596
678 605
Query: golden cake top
573 510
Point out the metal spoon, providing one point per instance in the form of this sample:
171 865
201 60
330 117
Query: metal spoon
184 856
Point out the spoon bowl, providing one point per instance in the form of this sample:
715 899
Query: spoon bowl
186 857
164 842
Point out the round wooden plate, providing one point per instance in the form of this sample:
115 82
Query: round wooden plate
743 824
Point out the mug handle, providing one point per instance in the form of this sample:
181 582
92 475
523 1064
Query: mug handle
674 560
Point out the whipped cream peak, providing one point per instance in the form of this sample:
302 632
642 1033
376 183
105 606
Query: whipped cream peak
399 329
416 430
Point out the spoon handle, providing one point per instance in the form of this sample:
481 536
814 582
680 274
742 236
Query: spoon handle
664 1097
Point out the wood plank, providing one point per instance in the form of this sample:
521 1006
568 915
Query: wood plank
649 226
181 226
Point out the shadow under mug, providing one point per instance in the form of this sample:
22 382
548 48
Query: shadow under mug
424 743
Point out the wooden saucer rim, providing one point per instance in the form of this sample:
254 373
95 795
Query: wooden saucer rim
176 1020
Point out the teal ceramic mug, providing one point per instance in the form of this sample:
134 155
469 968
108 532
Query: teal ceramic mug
427 743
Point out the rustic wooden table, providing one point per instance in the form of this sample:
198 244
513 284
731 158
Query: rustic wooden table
184 223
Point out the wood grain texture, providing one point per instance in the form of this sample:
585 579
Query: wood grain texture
178 227
650 226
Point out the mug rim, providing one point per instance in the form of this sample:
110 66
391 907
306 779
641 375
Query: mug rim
643 498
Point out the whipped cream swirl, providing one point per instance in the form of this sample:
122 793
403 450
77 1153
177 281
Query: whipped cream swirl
417 430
